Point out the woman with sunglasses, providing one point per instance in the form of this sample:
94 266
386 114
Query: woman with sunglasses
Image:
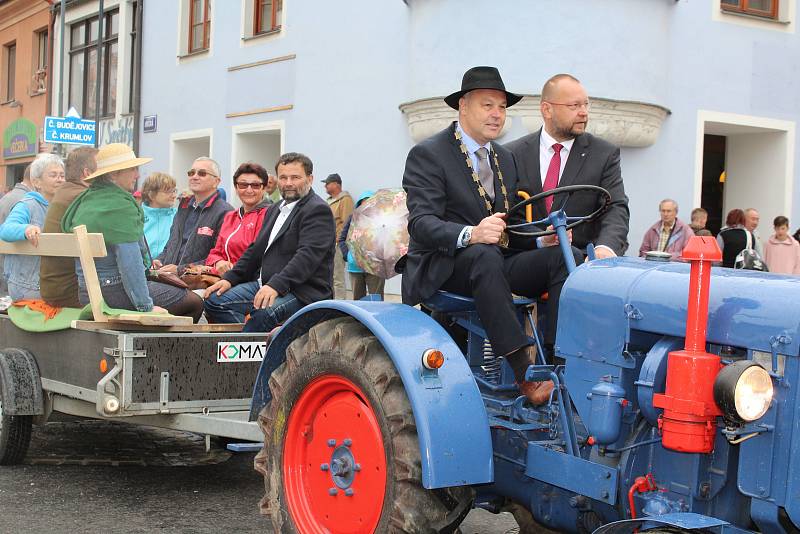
240 227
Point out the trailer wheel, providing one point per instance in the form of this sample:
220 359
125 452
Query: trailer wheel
341 452
15 436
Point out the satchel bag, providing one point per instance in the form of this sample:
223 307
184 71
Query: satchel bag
196 278
171 279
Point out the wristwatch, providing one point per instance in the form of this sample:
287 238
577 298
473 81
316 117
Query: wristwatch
466 236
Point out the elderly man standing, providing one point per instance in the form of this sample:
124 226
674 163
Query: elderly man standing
562 153
669 234
271 192
196 224
290 263
460 185
751 220
57 280
341 204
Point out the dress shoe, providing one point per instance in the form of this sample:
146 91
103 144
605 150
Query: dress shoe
537 392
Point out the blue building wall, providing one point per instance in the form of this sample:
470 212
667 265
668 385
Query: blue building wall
357 61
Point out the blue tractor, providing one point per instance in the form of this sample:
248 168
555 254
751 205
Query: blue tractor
667 415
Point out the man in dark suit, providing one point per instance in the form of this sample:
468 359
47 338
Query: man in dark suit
459 186
289 265
582 159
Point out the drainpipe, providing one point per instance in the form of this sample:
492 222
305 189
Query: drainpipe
137 82
51 39
62 28
97 96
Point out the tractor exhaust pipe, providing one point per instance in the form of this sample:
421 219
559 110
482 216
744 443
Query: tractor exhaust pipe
688 423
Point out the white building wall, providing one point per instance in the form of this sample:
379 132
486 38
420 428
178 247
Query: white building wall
343 69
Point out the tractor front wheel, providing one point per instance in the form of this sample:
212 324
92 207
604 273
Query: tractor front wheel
341 453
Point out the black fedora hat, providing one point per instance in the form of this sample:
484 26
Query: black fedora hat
481 78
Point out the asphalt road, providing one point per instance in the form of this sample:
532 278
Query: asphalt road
92 476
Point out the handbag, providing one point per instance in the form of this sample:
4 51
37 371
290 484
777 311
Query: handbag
749 258
196 278
171 279
153 275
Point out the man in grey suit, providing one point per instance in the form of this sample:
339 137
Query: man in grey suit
582 159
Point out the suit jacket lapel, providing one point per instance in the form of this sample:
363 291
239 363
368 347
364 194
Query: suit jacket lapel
532 164
499 205
270 218
575 161
535 174
288 222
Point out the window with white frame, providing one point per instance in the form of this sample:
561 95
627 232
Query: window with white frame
267 16
199 25
83 65
261 17
759 8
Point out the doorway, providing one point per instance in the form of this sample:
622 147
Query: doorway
757 157
711 198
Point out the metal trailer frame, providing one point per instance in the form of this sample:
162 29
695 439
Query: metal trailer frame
163 379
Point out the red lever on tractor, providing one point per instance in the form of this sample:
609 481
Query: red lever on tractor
688 422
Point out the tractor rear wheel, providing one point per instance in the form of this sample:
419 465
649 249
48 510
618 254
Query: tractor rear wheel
341 452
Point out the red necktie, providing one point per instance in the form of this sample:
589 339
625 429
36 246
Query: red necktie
551 180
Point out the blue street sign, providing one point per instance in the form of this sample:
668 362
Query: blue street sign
69 130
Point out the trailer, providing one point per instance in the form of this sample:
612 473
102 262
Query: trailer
142 369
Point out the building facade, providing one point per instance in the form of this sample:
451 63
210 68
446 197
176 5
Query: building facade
24 68
113 103
686 89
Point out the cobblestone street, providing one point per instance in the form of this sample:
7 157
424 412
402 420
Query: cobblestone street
97 476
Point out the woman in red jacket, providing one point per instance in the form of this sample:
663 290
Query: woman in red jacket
240 227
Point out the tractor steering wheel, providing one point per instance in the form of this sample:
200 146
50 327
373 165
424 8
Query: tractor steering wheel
565 221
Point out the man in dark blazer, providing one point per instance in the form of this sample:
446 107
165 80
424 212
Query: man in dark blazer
460 185
289 265
583 159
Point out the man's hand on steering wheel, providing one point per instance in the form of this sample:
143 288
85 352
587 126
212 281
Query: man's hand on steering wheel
552 239
489 230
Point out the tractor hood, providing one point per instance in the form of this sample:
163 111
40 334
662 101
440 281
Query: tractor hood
603 300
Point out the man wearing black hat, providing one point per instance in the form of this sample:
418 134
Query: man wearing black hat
341 204
460 184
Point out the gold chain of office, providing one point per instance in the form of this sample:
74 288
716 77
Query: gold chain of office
477 180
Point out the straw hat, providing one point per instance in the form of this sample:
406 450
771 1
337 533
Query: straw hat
116 157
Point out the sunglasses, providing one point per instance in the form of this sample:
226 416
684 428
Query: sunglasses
255 186
200 172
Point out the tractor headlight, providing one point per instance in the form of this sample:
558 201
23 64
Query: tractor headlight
743 391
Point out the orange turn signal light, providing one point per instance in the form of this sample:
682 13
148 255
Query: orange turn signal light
432 359
103 365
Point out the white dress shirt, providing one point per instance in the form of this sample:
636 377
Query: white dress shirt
285 211
546 153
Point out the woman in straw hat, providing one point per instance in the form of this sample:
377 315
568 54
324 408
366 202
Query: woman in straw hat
25 221
108 207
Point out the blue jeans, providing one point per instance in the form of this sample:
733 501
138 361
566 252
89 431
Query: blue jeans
234 305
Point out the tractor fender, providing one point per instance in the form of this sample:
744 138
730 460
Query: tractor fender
685 521
20 383
452 425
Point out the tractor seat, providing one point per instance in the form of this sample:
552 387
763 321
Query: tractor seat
446 302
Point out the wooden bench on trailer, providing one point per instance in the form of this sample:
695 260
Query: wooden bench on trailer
86 247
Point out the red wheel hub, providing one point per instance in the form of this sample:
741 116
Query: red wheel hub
334 463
